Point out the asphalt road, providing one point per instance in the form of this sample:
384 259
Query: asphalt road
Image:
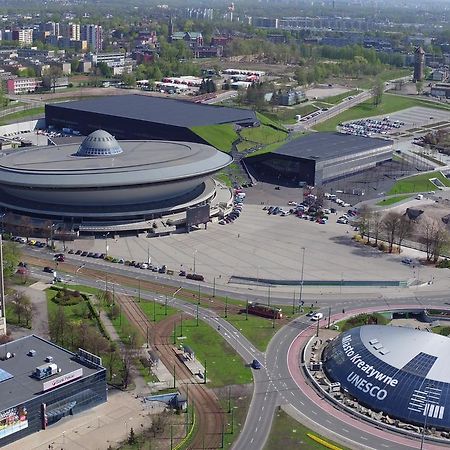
273 383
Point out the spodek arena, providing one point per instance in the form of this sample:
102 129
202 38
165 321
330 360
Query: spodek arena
107 185
402 372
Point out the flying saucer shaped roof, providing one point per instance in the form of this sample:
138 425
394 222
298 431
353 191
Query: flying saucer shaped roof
99 143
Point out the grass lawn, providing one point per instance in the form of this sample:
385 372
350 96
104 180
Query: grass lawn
223 178
156 311
223 365
442 330
74 313
335 99
287 114
391 103
274 146
220 136
245 145
386 75
288 434
391 200
264 134
81 288
258 330
22 115
418 183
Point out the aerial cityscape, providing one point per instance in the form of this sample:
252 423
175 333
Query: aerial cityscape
224 225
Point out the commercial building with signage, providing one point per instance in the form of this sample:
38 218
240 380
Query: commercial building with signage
40 383
402 372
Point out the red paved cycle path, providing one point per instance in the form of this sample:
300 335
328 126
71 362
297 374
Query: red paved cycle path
347 419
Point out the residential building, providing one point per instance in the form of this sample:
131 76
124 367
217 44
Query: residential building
22 85
74 31
23 35
93 34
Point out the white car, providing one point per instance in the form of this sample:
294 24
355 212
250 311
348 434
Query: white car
317 317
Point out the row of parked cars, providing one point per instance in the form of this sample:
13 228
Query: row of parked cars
303 211
349 215
367 127
238 203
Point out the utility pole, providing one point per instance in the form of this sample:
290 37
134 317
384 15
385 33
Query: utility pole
329 316
165 306
226 307
205 372
318 322
181 324
197 314
154 309
214 286
174 376
199 294
246 311
268 296
139 290
301 282
293 304
148 337
174 333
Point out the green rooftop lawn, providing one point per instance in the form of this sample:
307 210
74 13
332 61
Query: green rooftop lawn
390 104
219 136
418 183
264 134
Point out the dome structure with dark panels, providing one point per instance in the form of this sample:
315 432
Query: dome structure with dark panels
104 179
99 143
402 372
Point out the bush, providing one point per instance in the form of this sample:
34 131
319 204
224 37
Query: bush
443 264
67 298
382 246
364 319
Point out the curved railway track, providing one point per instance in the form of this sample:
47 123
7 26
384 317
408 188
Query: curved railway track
207 407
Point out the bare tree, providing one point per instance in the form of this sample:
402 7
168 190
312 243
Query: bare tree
439 243
364 221
58 325
428 230
391 223
404 230
376 222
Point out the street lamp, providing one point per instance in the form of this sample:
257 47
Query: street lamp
301 281
195 251
106 243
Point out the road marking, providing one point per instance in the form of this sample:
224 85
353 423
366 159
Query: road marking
385 445
329 421
299 400
251 442
362 437
314 412
344 429
260 418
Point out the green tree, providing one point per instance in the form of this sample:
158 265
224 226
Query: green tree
11 257
377 92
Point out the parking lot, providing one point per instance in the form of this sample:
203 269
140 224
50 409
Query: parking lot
262 246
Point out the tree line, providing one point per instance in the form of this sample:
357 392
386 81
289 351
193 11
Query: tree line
394 228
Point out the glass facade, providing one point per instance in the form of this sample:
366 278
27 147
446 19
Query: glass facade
49 407
404 393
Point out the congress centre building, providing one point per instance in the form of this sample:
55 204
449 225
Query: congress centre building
107 185
401 372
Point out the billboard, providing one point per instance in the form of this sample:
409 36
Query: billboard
197 215
13 420
62 379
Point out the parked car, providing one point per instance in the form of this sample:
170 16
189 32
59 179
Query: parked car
48 269
182 273
317 316
407 261
195 276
